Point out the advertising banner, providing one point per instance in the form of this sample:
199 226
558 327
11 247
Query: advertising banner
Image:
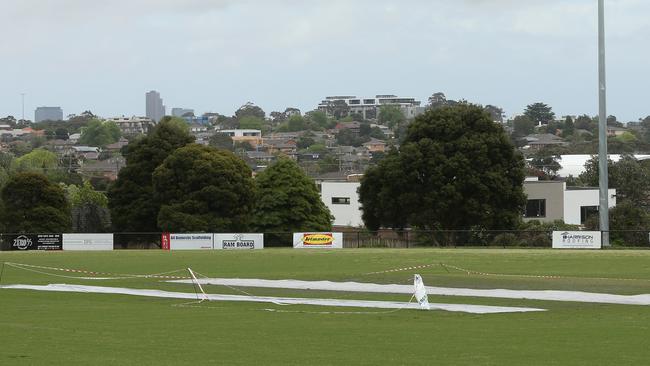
87 241
318 240
238 241
34 242
190 241
164 241
576 240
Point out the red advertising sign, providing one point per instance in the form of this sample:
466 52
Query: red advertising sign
165 240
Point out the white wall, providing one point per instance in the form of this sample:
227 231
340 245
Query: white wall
574 199
344 215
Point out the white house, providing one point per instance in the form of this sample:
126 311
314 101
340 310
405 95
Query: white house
580 203
342 200
547 201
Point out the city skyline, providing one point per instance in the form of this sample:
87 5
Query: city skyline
201 55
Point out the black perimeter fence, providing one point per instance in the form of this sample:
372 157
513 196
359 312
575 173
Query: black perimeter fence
394 239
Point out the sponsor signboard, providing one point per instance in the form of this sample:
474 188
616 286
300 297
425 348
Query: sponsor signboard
164 241
318 240
87 241
576 240
190 241
34 242
238 241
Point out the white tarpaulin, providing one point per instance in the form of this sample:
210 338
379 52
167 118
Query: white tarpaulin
318 240
190 241
87 241
474 309
238 241
551 295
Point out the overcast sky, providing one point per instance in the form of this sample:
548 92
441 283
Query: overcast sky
215 55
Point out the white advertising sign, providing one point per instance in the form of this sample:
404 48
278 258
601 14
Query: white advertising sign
190 241
576 240
238 241
318 240
87 241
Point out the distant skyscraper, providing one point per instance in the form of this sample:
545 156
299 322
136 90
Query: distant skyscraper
155 107
48 114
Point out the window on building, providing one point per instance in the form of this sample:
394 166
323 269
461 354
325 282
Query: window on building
535 208
340 200
586 212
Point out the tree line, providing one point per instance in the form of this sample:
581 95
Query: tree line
172 184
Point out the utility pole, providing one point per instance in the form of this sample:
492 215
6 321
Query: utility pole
602 127
22 97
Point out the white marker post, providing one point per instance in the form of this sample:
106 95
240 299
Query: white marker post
205 296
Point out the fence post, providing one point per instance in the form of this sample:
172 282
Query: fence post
358 239
407 240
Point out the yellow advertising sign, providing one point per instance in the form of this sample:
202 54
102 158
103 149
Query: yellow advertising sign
318 239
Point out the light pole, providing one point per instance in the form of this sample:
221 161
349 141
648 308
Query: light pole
602 127
22 97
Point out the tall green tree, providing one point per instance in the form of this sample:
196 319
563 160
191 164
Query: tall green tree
89 209
523 126
546 162
33 204
569 127
221 141
99 133
204 189
288 201
381 193
319 118
250 109
539 113
495 112
338 109
251 123
39 160
630 177
457 169
296 123
131 199
585 122
391 116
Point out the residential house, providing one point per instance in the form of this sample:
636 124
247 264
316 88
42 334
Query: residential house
384 129
59 146
553 200
547 200
280 145
108 168
133 125
198 128
541 141
354 127
613 131
260 157
375 145
116 148
253 137
74 138
85 152
369 107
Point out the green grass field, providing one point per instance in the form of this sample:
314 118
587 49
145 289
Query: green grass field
47 328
